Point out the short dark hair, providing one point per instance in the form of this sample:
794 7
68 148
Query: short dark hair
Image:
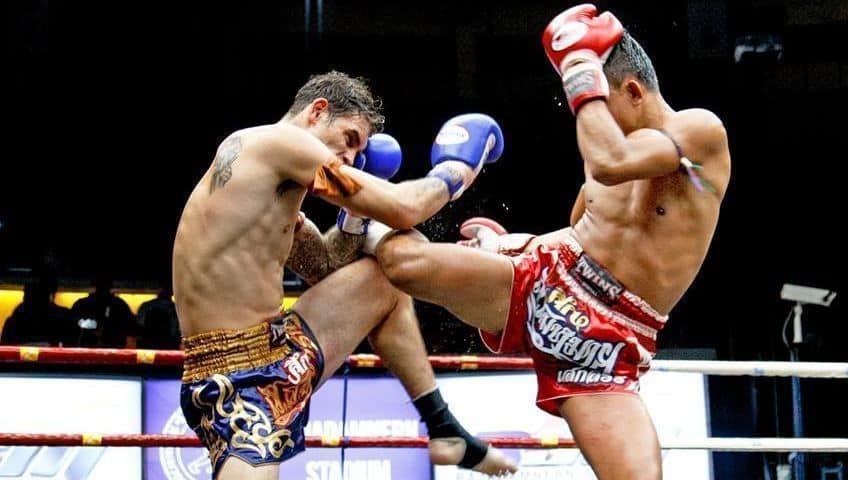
629 58
345 96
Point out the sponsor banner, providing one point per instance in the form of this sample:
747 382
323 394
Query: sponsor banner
50 404
503 405
378 406
496 404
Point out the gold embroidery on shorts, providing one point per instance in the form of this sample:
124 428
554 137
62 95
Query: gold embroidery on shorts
228 351
250 425
285 400
215 445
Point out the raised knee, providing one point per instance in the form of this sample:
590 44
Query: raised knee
400 258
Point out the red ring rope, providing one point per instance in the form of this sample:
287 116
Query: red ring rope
112 356
100 356
160 440
443 362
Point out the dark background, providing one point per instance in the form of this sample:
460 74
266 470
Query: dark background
114 110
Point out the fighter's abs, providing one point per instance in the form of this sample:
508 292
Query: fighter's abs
230 250
653 241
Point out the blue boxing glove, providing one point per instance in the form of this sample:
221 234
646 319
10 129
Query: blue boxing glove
463 145
382 158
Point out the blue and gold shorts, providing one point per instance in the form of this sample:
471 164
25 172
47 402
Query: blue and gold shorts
246 392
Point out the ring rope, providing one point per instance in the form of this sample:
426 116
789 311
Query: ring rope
111 356
161 440
708 367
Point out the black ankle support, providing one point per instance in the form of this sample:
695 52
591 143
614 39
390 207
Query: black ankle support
442 424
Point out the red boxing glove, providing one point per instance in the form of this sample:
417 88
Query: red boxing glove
578 42
489 235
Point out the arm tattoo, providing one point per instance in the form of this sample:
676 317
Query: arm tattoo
343 248
314 256
429 194
431 186
228 152
308 257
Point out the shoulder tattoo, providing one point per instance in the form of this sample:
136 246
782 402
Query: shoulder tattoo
228 152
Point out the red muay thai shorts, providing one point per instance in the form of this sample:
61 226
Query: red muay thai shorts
585 332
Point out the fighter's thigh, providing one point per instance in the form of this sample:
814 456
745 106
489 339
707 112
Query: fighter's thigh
616 435
474 285
344 307
235 468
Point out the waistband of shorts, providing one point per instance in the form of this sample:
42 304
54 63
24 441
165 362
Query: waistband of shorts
226 351
632 306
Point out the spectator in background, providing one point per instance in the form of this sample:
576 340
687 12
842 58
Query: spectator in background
102 318
37 320
158 326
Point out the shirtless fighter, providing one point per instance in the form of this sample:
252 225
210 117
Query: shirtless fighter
586 302
250 370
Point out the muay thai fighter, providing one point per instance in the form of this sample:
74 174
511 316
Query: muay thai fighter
250 370
586 302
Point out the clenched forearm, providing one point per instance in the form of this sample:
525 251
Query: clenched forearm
612 158
599 138
424 198
402 206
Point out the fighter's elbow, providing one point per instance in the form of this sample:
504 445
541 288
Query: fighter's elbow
407 219
605 174
411 212
606 168
402 216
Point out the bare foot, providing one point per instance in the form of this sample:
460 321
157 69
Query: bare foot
450 450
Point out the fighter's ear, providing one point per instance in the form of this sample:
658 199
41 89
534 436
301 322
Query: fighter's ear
316 108
635 91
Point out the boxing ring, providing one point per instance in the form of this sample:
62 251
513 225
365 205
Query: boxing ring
462 363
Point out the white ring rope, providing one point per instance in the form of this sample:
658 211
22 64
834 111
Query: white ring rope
757 369
760 444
